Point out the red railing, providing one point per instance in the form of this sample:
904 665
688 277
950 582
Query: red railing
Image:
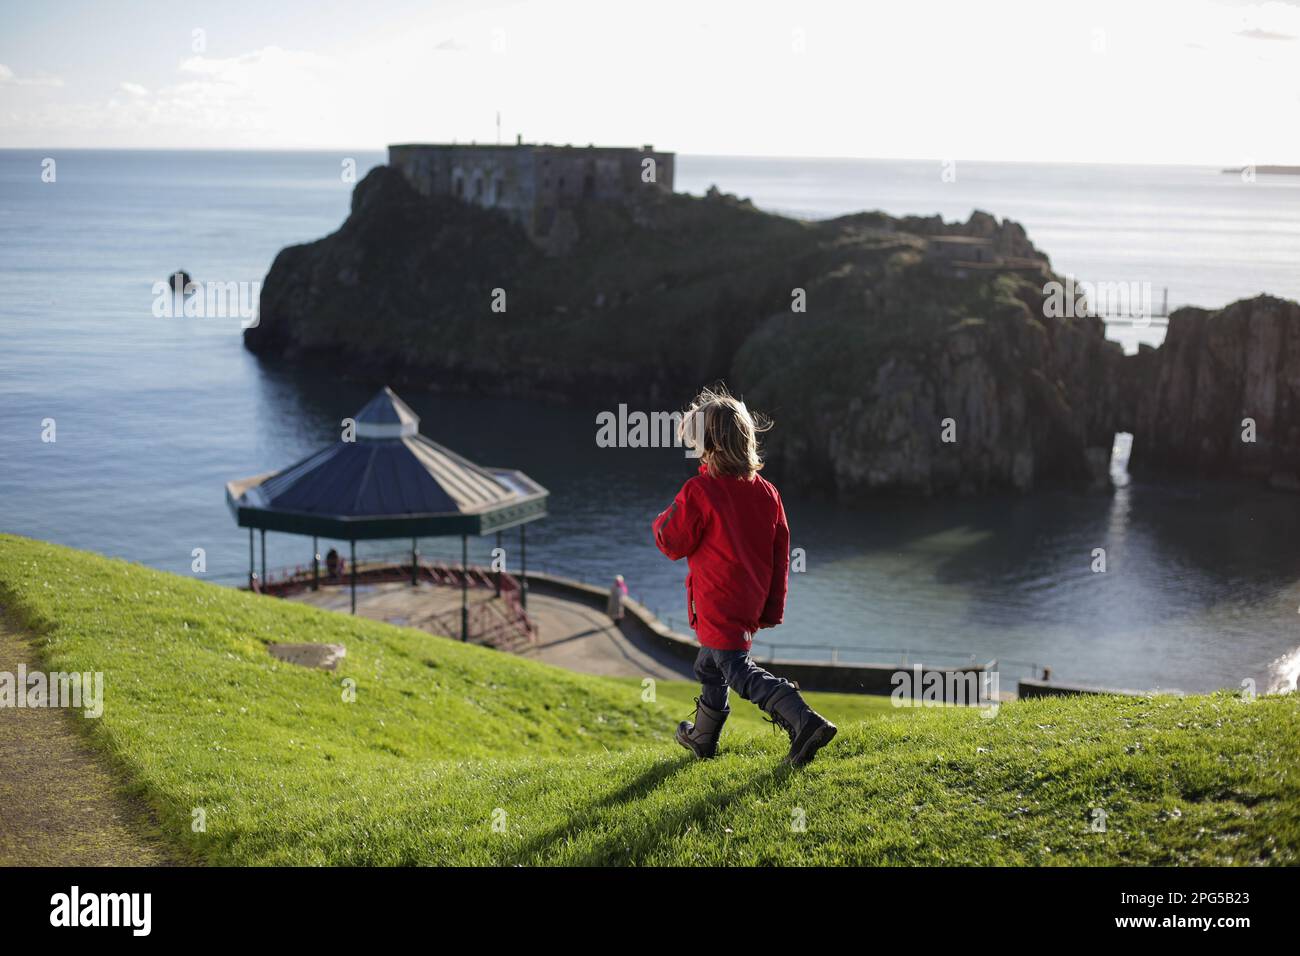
505 624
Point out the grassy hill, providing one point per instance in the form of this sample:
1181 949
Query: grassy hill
459 755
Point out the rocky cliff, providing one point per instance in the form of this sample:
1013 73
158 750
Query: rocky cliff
1023 402
440 294
885 370
1221 396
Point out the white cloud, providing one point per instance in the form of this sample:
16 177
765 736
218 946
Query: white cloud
268 96
9 78
1254 33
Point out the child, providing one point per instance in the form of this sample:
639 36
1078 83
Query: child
730 526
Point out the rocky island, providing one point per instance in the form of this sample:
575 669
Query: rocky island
898 355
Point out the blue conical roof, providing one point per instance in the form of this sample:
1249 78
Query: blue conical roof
386 416
388 474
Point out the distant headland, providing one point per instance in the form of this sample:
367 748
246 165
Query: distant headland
1266 170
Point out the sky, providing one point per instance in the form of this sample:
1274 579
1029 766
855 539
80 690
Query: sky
1138 81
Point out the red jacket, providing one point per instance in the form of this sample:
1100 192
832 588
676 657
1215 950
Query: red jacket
733 533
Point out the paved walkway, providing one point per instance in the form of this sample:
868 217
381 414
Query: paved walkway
59 802
570 634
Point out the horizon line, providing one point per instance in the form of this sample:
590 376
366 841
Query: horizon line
704 155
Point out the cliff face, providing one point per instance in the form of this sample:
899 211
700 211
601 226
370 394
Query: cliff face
651 302
381 286
1026 401
1214 371
888 357
904 380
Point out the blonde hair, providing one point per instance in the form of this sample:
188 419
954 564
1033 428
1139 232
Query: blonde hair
725 434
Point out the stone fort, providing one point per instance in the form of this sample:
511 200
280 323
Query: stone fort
536 185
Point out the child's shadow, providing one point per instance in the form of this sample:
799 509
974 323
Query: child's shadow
668 823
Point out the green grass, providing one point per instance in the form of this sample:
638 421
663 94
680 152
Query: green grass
444 739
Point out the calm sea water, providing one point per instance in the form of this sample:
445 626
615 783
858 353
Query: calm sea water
153 415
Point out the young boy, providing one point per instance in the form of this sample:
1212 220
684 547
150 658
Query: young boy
730 526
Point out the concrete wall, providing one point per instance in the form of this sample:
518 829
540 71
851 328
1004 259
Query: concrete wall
531 184
495 177
1040 688
643 629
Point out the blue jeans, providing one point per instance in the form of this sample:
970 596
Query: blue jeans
717 670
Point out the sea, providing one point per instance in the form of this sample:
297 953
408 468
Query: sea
150 414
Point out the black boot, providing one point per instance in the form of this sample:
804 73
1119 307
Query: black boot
809 731
701 738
